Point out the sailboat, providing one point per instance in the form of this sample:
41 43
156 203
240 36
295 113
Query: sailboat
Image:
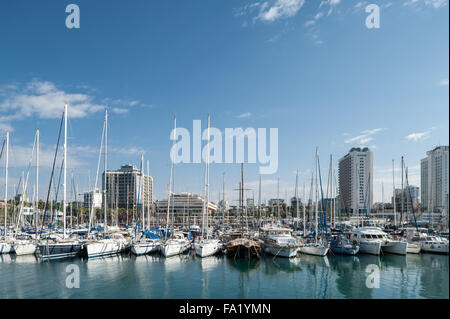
242 245
23 244
207 246
112 243
177 243
5 245
59 246
146 243
315 247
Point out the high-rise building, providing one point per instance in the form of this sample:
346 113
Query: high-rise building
127 187
434 180
92 198
356 180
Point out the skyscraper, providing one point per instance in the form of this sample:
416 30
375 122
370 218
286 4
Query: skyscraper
122 187
434 180
356 180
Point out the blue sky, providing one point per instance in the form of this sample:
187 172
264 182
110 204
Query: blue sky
309 68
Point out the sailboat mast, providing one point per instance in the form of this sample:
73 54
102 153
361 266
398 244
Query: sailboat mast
259 201
36 213
207 180
148 195
402 201
296 195
65 170
105 206
304 208
316 196
6 179
393 194
171 173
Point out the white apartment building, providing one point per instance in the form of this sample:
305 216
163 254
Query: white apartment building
93 198
434 180
356 180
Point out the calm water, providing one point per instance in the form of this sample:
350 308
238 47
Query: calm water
413 276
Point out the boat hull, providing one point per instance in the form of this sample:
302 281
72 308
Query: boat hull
5 248
26 248
144 248
371 248
315 250
395 247
345 250
207 248
103 248
413 248
435 248
287 252
58 250
173 249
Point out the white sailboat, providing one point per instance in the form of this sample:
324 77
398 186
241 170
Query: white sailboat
143 245
113 243
207 246
177 243
5 245
316 248
49 248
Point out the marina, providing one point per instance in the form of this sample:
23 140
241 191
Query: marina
153 276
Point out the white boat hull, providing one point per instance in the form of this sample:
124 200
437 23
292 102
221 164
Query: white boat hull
371 248
25 248
145 248
5 248
438 248
174 248
104 248
316 250
413 248
395 247
287 252
205 249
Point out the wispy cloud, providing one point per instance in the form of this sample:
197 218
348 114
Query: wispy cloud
45 100
444 82
364 138
244 115
415 137
280 9
120 111
433 3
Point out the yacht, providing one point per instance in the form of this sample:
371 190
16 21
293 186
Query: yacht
374 241
5 247
113 244
145 246
51 248
24 247
342 245
314 248
175 245
207 247
435 244
278 241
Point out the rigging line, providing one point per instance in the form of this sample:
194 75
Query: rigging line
91 211
53 168
3 146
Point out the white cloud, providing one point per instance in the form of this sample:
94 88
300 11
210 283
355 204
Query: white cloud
244 115
434 3
363 138
45 100
415 137
444 82
309 23
119 110
280 9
